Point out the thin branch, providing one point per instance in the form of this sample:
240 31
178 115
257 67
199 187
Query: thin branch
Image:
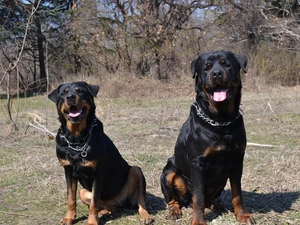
263 145
40 127
269 105
14 64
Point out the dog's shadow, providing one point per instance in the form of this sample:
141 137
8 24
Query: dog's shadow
254 202
258 202
154 204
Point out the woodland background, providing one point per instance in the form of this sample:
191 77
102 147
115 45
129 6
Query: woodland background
44 43
156 39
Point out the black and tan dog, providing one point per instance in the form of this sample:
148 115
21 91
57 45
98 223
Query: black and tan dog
90 157
211 145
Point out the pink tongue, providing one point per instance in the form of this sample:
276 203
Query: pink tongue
219 95
75 113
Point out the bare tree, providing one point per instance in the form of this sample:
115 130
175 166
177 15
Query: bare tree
13 66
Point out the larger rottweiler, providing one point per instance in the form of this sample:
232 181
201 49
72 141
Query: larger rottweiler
211 144
90 157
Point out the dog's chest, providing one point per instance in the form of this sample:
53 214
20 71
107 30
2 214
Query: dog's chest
224 145
74 159
217 153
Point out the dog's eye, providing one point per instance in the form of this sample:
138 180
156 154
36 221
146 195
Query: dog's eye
227 65
65 91
79 90
208 66
224 63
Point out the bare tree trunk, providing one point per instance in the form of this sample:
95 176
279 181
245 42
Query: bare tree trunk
157 64
40 42
9 100
48 82
77 58
34 73
14 65
75 37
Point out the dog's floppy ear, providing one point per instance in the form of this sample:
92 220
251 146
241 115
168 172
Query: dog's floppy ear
53 96
93 89
194 66
197 62
242 60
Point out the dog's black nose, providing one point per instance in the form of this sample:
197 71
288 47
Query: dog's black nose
217 74
71 97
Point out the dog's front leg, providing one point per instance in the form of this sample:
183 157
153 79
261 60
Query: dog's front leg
198 184
235 182
71 196
96 198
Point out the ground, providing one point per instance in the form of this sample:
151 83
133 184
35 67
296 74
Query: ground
145 128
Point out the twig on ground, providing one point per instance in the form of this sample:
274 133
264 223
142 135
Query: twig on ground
40 127
263 145
168 128
270 107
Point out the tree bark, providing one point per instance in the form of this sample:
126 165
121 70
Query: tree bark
40 43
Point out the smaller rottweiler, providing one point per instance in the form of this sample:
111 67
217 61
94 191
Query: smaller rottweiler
90 157
211 144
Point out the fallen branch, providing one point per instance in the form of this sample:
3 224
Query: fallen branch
269 104
263 145
40 127
168 128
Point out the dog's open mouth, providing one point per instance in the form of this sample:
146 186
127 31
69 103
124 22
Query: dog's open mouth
75 114
221 94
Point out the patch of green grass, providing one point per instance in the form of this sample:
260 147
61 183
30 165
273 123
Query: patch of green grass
290 117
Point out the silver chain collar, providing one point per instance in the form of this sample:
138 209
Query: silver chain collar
83 149
211 122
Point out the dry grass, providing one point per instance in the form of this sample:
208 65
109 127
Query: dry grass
143 119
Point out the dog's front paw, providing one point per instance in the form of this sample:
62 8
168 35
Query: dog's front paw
104 212
175 212
147 219
246 219
66 221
